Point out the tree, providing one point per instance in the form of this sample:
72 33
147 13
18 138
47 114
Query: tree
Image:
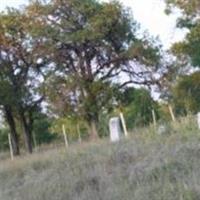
186 94
91 45
20 64
189 49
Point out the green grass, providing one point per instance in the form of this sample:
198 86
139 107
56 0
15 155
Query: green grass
146 166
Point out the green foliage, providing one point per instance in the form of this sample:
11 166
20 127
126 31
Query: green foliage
186 94
138 105
41 129
74 128
190 21
188 7
4 139
163 112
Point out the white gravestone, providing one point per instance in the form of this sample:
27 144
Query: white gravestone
115 129
198 119
162 129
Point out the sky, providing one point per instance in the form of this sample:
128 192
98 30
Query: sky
149 13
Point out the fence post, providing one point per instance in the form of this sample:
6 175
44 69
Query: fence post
65 136
154 117
79 133
171 113
123 124
10 146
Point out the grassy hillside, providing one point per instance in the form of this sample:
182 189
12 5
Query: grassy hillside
147 166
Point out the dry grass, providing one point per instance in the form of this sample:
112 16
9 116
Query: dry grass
146 166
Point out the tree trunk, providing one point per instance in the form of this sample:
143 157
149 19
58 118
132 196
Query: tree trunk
13 132
27 133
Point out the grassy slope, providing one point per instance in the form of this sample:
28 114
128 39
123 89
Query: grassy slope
144 167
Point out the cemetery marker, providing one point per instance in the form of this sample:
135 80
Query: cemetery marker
198 119
115 129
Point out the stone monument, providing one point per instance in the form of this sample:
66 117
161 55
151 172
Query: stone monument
115 129
198 119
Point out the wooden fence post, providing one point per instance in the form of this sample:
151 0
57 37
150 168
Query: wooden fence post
171 113
65 136
10 146
154 117
123 124
79 133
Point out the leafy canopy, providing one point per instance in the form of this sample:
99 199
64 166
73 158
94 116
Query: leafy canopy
91 44
189 49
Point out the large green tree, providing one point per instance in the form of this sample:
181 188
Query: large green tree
91 44
20 63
